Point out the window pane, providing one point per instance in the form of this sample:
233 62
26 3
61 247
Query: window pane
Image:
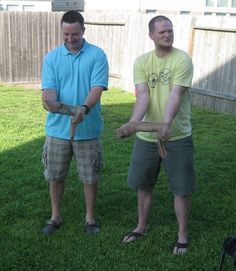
222 3
28 7
151 11
13 7
184 12
210 3
233 3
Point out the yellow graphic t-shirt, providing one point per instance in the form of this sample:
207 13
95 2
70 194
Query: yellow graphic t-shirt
161 74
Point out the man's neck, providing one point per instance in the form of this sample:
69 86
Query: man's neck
75 50
163 52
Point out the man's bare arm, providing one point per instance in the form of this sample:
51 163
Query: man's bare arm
172 107
142 102
139 110
48 95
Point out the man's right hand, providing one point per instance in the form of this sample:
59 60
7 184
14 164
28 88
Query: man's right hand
126 130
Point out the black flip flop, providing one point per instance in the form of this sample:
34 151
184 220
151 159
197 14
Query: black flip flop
91 229
135 235
51 227
178 246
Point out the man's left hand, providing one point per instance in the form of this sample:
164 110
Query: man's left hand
165 133
79 115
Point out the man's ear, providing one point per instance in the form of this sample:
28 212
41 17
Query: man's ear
150 35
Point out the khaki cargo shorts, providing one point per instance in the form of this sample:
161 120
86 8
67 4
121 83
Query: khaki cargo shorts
58 153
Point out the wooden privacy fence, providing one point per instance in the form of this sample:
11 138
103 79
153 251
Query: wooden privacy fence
211 41
214 84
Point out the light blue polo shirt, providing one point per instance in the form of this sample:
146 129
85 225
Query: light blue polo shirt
72 76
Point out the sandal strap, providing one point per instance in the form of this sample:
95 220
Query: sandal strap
181 245
54 223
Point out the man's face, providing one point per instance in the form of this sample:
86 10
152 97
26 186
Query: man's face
72 35
163 35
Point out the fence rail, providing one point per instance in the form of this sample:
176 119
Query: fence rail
27 36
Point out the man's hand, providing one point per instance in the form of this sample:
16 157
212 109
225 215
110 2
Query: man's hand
79 115
165 132
126 130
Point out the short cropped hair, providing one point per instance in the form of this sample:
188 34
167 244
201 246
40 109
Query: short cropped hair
73 16
159 18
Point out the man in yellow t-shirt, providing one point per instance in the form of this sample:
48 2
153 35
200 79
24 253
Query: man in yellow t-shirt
162 79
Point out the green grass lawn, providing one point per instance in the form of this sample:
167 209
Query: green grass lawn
25 203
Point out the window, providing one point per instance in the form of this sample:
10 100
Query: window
13 7
184 12
222 3
63 5
208 13
151 11
210 3
28 7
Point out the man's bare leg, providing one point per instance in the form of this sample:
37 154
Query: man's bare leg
145 202
56 195
182 209
56 191
90 194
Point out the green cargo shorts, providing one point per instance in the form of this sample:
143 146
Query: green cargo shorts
57 155
178 164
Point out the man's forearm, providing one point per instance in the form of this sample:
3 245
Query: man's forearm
51 104
140 107
171 110
173 103
60 108
93 96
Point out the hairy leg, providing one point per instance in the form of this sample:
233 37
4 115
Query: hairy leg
145 202
182 209
90 194
56 194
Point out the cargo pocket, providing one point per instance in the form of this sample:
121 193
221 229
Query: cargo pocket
98 162
44 155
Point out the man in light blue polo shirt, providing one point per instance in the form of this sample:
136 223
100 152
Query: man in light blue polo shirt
75 73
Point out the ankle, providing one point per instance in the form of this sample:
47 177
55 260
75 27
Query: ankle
89 219
182 238
57 218
141 229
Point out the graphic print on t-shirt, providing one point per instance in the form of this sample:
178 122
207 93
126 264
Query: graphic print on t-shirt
164 78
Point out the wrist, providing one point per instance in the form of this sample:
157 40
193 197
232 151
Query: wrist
87 109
